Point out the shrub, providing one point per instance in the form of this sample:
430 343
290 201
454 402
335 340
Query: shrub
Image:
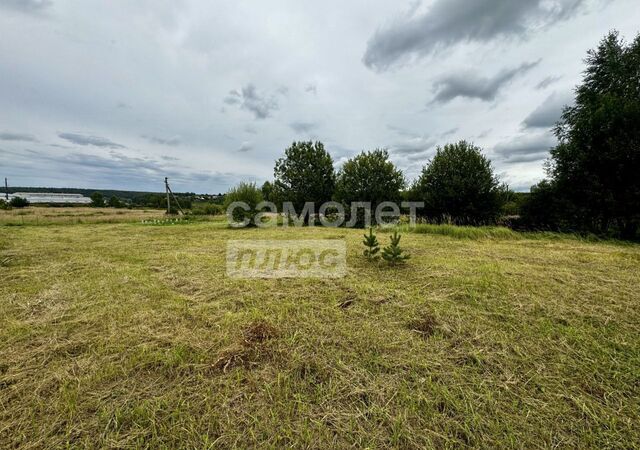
4 205
247 193
19 202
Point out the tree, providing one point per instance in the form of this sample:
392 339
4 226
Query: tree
594 169
115 202
543 208
372 246
248 194
459 183
97 200
369 177
393 254
267 191
305 174
19 202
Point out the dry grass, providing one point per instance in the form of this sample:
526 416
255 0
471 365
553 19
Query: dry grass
131 336
35 215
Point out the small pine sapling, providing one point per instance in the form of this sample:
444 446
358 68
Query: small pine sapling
393 254
373 247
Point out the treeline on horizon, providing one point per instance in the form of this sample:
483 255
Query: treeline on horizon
125 198
593 174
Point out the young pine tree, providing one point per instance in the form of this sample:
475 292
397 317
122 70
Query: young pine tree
393 254
372 245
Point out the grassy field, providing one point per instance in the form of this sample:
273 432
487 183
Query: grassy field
75 215
129 335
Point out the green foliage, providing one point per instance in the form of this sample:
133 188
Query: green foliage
459 183
393 254
97 200
19 202
115 202
207 209
247 193
267 191
594 170
305 174
466 232
369 177
372 246
4 205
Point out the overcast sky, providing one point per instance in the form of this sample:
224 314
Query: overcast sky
119 94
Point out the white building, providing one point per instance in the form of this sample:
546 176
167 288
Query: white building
51 197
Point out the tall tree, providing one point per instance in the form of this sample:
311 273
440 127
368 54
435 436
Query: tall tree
459 183
595 168
369 177
305 174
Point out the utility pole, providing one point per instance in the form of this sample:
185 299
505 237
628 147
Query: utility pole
6 189
175 199
166 186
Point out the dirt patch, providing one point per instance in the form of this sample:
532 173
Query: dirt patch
252 350
258 332
425 325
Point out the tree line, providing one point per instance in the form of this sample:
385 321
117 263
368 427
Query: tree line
593 174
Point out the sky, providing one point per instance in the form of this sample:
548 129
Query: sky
120 94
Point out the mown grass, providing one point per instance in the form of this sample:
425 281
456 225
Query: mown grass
36 215
131 336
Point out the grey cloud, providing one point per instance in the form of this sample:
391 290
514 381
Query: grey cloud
96 141
413 146
424 156
485 133
26 6
449 22
172 142
526 148
547 82
469 85
245 147
251 100
138 173
303 127
548 113
312 88
450 132
17 137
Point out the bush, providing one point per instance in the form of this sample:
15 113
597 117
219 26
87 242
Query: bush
19 202
4 205
247 193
